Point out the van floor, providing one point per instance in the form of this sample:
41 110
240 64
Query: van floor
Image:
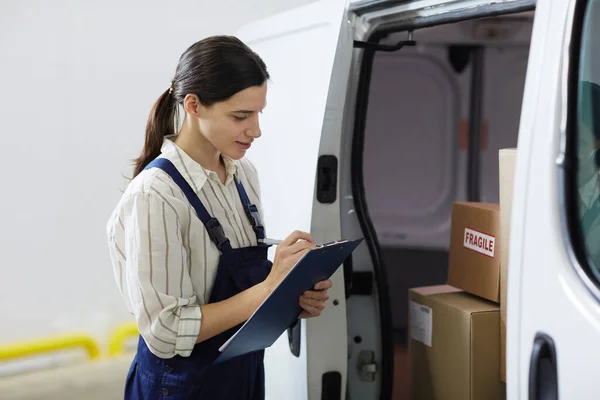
401 388
408 268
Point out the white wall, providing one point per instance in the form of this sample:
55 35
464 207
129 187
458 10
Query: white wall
77 81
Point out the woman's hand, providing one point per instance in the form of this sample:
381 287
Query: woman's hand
219 316
287 255
313 301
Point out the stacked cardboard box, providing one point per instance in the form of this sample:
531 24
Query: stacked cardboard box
474 263
454 346
457 344
507 162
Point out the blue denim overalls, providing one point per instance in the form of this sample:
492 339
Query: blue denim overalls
194 377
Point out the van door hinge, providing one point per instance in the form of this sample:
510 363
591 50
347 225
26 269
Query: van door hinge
367 368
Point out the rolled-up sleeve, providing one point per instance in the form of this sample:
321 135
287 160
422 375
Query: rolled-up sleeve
160 292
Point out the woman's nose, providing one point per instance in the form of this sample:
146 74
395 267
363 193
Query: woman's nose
254 130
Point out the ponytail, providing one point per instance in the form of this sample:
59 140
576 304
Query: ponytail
161 123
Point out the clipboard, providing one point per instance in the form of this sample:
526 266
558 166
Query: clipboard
281 308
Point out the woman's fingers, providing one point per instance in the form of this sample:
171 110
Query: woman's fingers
300 246
314 307
320 295
323 285
312 311
296 236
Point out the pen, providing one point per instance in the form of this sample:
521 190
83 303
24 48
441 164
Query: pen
270 242
275 242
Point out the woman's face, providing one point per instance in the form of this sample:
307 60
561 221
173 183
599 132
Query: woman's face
232 125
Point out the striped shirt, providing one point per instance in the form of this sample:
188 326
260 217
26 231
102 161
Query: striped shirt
163 259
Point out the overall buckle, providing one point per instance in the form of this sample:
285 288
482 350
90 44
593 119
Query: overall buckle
254 217
216 233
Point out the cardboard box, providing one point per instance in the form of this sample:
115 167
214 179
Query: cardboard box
474 261
507 159
454 346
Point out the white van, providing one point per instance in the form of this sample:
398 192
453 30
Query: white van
354 119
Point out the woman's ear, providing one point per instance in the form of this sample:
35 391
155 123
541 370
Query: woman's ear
192 105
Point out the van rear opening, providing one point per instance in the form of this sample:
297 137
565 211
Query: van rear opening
430 122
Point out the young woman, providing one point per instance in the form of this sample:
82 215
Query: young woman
185 237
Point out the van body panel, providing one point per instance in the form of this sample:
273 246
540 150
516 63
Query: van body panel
304 104
425 13
546 294
370 6
516 381
327 334
365 325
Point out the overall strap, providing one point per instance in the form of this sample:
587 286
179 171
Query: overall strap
214 228
251 210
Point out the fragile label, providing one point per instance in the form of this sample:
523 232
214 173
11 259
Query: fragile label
421 318
480 242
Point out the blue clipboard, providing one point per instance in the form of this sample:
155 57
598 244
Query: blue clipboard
280 309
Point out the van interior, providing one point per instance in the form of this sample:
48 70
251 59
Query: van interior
438 112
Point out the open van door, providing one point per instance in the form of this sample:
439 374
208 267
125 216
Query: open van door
308 53
553 309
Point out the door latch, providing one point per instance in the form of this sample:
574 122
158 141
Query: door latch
367 367
543 375
327 169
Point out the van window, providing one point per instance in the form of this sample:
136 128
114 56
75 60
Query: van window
587 141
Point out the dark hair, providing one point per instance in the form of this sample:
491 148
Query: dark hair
214 69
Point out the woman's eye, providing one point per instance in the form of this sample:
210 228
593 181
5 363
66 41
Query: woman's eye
239 118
